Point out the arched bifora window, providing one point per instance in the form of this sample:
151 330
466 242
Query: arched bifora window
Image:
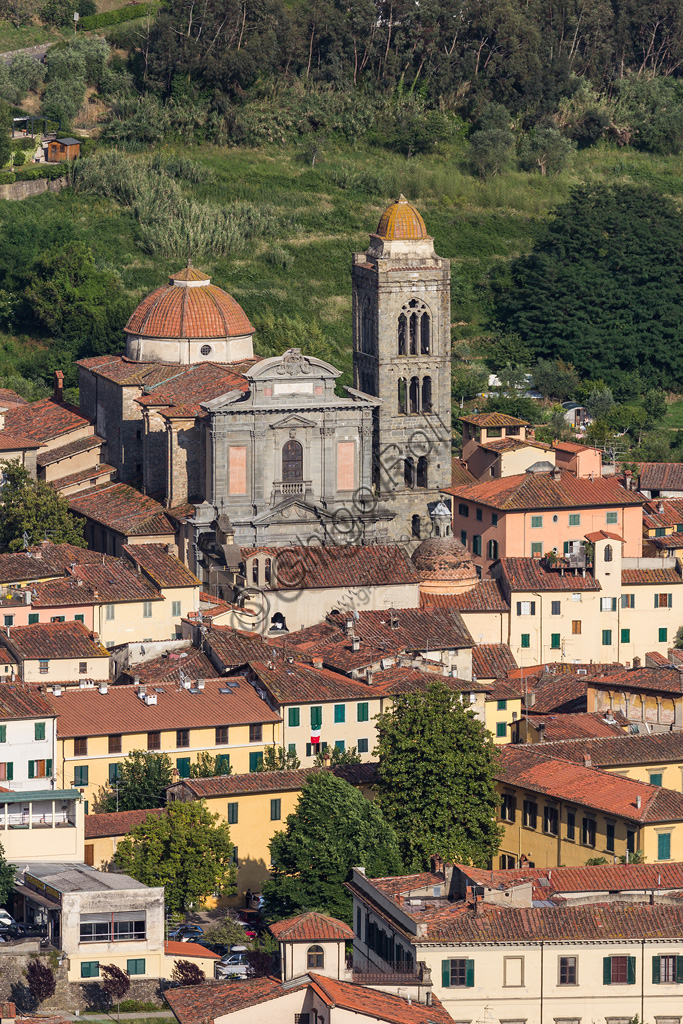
292 461
315 958
608 552
402 396
426 394
414 329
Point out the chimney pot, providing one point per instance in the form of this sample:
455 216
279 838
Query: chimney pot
638 802
587 761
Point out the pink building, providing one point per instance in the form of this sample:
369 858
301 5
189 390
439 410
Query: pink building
532 514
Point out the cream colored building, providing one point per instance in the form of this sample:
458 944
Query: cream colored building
42 823
57 652
656 759
585 964
97 728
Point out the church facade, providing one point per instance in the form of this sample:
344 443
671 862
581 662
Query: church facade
247 451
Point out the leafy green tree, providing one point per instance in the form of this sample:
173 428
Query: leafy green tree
226 931
599 402
582 294
277 759
142 780
546 149
332 829
490 151
33 510
336 756
467 381
654 403
187 850
555 379
208 767
115 983
436 779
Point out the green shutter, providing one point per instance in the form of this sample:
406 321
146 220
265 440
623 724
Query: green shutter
469 974
446 973
31 769
316 717
679 970
294 717
48 766
255 760
39 730
10 771
631 976
183 766
3 734
340 712
607 970
655 970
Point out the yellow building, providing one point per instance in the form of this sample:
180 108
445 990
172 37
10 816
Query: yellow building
57 652
555 812
256 807
97 728
655 759
663 528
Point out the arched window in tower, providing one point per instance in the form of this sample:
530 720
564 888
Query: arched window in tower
409 473
267 570
402 396
416 527
367 333
254 571
422 471
426 394
292 462
424 334
414 327
608 552
414 395
402 332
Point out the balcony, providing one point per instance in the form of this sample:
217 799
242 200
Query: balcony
289 488
396 972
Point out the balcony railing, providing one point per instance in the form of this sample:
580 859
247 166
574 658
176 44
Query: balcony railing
394 972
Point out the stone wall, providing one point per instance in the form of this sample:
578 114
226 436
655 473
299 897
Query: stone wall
26 189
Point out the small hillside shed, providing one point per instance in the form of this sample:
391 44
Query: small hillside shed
62 149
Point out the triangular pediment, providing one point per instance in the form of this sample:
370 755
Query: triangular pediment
293 421
291 510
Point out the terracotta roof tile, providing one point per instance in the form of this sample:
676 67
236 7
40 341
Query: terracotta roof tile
401 220
638 577
660 476
163 568
337 566
599 535
14 442
486 596
167 668
572 447
493 419
177 311
44 420
94 476
672 542
582 725
201 1004
512 444
183 394
26 566
275 782
492 661
659 660
460 474
586 878
118 823
123 509
309 927
525 574
671 513
652 680
111 584
121 710
541 491
378 1005
85 444
9 397
626 749
530 768
233 648
187 950
52 640
63 556
21 700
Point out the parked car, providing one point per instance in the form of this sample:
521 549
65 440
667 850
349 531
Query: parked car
6 920
186 933
25 931
232 964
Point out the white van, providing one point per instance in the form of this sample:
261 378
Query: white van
232 964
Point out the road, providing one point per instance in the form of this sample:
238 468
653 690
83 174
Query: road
37 52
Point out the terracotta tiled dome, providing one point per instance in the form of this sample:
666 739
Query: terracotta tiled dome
401 222
189 306
443 558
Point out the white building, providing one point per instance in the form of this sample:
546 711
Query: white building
28 738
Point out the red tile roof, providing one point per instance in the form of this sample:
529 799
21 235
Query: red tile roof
541 491
599 535
201 1004
671 513
167 668
21 700
486 596
9 397
526 574
14 442
44 420
161 567
294 682
582 725
100 584
512 444
67 451
175 311
276 782
24 565
653 680
187 950
233 648
573 447
627 749
52 640
660 476
530 768
638 577
121 710
672 542
118 823
494 419
123 509
612 878
103 474
63 556
377 1005
337 566
183 394
311 927
658 659
492 661
460 474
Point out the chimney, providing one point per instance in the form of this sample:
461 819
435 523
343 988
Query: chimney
58 387
541 732
638 802
660 506
355 643
349 627
393 619
636 662
587 761
317 663
556 473
368 677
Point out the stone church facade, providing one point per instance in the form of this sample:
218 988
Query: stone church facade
247 451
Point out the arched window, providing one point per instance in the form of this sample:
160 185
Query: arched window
278 622
292 461
415 529
367 334
427 394
409 473
414 395
424 334
422 471
402 396
267 571
254 571
402 331
414 321
315 958
608 552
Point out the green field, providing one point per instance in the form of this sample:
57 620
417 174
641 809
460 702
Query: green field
298 281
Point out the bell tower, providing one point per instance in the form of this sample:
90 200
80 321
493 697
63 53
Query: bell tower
402 355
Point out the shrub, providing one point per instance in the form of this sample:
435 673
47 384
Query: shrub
490 151
186 973
19 159
7 178
41 980
128 13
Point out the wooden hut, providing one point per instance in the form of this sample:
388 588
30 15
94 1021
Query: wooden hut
62 149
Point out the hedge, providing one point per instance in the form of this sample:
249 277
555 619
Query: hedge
127 13
7 178
39 171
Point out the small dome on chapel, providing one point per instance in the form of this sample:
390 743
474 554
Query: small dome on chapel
401 222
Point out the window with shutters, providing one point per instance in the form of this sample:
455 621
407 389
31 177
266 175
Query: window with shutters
606 637
576 627
571 825
663 601
526 640
183 766
550 821
176 609
154 741
628 600
362 712
315 958
147 609
555 607
114 743
619 970
256 733
39 769
316 717
529 813
3 734
655 778
476 544
222 734
536 549
6 771
90 969
182 738
663 633
664 846
340 712
293 717
135 966
575 519
80 775
555 641
233 813
526 607
667 970
612 517
255 761
501 729
626 636
536 522
609 836
463 538
463 510
33 618
362 746
588 832
492 549
608 604
457 973
630 841
508 807
43 666
114 771
275 810
568 970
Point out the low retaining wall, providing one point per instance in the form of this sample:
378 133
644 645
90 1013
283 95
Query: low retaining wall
26 189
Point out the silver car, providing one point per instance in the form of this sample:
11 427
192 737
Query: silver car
233 964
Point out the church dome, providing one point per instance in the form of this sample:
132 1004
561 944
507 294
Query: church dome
189 306
401 222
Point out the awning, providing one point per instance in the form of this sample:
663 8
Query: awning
37 897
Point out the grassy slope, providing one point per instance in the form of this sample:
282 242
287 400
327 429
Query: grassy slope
475 223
